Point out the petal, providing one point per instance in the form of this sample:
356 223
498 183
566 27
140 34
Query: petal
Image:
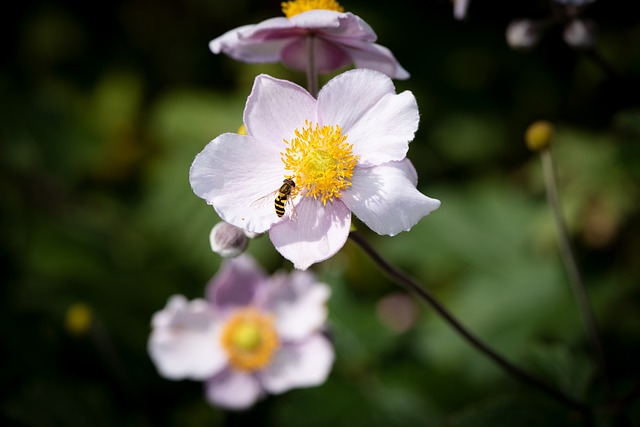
303 364
233 173
317 19
379 123
316 233
275 109
299 303
233 390
386 199
351 28
236 284
327 56
378 58
184 341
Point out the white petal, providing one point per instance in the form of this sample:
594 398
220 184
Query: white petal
184 341
386 199
233 173
348 96
305 364
377 121
315 233
275 109
233 390
299 303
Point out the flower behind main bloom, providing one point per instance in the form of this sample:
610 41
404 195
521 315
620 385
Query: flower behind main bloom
339 39
344 152
252 335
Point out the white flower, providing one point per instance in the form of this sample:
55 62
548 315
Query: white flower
343 152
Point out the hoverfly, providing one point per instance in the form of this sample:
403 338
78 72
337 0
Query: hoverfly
282 197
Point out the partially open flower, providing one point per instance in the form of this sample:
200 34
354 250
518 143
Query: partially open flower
253 335
523 34
307 164
580 33
228 240
317 28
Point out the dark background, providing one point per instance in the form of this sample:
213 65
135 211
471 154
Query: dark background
103 106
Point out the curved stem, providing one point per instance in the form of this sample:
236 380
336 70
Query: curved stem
570 263
413 286
312 72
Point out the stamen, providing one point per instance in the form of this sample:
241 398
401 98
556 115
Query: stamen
294 7
250 340
320 160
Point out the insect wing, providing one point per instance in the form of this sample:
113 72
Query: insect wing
263 201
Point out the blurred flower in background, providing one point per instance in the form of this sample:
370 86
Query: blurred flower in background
252 335
338 38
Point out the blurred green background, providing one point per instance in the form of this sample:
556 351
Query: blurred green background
105 104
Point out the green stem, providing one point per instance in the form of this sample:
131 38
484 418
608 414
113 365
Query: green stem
413 286
312 72
570 263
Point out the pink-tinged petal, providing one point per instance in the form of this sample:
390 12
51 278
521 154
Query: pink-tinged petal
233 390
327 56
184 341
233 44
383 133
304 364
377 121
351 28
237 283
317 19
348 96
275 109
236 174
378 58
316 232
299 303
386 199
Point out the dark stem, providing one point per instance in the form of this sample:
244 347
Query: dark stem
413 286
567 253
312 72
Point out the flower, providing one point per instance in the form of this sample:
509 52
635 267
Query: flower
253 335
339 38
344 152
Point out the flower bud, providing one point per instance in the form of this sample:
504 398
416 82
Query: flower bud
523 34
538 135
78 318
579 33
228 240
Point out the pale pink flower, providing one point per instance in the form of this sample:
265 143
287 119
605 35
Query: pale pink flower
338 38
345 152
252 335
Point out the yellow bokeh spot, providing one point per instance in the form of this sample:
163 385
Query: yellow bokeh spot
320 160
250 340
538 135
78 318
294 7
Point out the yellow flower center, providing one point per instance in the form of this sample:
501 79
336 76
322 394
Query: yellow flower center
250 340
294 7
320 160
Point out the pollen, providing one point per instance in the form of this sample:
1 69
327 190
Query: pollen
250 340
320 160
294 7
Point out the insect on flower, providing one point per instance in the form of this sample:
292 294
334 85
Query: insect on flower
282 197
